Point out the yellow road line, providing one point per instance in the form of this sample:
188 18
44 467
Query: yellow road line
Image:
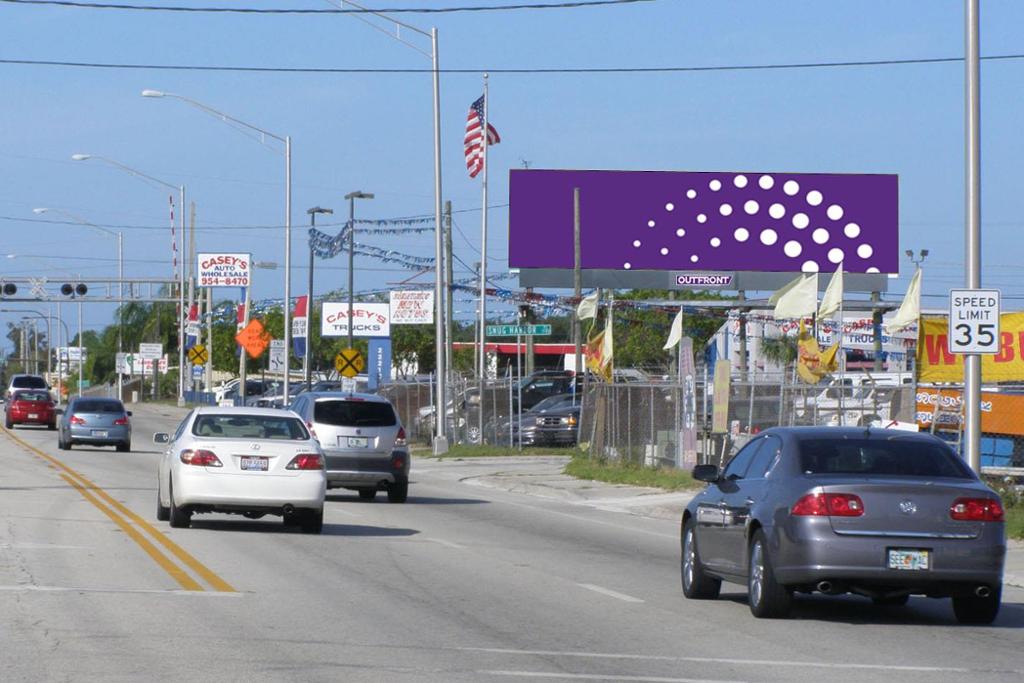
205 573
176 572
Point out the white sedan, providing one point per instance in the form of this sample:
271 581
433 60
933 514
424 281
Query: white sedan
248 461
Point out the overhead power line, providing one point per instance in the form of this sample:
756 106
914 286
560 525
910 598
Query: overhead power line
394 10
513 70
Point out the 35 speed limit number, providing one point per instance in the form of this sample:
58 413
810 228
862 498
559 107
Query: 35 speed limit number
974 321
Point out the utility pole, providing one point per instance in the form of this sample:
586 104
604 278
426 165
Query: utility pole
449 348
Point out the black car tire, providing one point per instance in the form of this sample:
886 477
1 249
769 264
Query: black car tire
697 585
291 520
63 443
52 426
124 447
975 610
367 494
180 518
8 423
398 492
768 598
312 521
162 513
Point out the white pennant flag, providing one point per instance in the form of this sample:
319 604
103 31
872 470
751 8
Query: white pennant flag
676 333
587 307
798 299
832 300
910 310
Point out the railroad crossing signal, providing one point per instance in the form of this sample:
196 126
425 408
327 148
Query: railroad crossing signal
349 362
198 355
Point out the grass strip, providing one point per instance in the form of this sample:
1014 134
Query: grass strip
669 479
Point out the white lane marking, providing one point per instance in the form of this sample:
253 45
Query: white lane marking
597 677
740 662
447 544
610 593
28 588
41 546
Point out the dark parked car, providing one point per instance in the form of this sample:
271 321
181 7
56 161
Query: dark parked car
95 422
552 422
840 510
30 406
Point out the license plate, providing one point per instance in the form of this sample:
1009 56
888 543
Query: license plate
102 433
254 464
356 441
909 560
33 416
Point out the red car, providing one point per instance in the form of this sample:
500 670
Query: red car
30 406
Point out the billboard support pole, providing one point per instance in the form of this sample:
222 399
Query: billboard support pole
577 278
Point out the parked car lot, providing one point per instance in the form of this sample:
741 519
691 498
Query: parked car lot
30 406
248 461
95 422
845 510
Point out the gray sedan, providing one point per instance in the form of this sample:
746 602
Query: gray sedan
876 513
96 422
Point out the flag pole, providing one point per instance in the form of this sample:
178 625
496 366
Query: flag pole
842 356
481 371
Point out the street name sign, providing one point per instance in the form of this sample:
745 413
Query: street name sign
517 330
973 321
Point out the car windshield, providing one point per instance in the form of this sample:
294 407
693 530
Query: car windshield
870 457
29 383
96 406
250 427
552 402
345 413
31 396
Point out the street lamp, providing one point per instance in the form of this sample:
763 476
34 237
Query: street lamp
287 140
307 360
120 276
181 283
917 261
352 197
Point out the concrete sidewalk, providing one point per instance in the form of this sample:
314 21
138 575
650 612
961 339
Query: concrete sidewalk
542 476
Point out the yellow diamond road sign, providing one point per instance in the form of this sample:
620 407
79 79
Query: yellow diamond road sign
198 355
349 362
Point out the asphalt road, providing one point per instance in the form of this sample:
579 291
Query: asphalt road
462 583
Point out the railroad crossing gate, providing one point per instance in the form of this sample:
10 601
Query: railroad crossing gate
198 355
349 362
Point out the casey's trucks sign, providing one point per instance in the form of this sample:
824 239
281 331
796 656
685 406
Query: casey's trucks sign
369 320
224 270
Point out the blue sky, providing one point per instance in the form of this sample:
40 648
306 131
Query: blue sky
373 132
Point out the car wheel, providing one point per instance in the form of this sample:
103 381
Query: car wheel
8 423
976 610
894 601
397 493
180 518
162 513
291 520
696 584
473 435
52 426
124 447
312 521
367 494
768 598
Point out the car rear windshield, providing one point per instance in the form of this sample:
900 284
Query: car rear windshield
250 427
885 457
32 396
98 407
28 382
342 413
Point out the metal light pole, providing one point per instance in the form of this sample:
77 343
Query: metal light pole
352 197
120 271
287 140
49 339
307 361
972 237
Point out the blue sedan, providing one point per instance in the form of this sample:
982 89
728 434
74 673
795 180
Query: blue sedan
95 422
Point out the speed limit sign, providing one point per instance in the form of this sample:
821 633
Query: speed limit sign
974 321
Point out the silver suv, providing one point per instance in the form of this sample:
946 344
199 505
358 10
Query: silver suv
362 439
24 382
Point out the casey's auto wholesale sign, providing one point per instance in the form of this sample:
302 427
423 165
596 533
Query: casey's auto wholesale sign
936 363
224 270
368 320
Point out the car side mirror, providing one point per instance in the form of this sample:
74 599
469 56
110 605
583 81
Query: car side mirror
161 438
708 473
128 413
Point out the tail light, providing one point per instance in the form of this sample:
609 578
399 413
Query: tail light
121 421
309 426
400 438
828 505
398 462
306 461
75 420
976 510
200 458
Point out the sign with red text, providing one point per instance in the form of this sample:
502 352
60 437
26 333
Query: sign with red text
368 320
224 270
413 307
937 363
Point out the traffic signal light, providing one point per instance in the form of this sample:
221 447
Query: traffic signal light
68 289
9 289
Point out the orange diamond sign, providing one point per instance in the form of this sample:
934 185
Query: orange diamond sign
254 338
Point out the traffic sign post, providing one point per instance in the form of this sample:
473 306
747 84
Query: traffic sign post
974 321
349 362
518 330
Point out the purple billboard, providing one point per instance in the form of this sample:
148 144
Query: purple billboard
730 221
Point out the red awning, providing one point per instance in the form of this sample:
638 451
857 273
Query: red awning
546 349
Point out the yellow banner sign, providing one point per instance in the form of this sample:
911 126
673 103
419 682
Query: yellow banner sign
935 363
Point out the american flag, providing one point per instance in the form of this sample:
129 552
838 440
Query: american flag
475 150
